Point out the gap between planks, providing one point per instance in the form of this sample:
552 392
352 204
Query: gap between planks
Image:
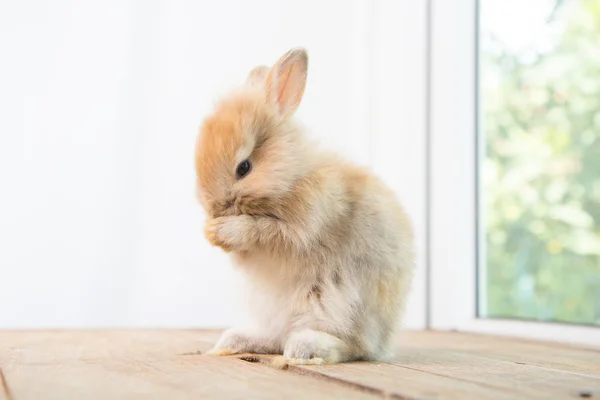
445 387
4 389
267 360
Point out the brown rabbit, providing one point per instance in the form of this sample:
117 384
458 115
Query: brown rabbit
326 247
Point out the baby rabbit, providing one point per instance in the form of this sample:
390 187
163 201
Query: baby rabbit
326 248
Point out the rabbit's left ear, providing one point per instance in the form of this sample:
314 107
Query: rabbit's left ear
286 81
257 76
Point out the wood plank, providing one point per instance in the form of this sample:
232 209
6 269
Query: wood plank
456 365
167 364
405 383
570 358
148 365
531 381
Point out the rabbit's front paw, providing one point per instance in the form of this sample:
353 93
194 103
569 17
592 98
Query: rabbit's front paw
229 233
238 340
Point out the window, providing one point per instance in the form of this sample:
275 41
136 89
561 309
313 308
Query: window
539 86
514 167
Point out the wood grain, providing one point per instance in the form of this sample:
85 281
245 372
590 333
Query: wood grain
170 365
529 380
393 381
460 365
148 365
520 351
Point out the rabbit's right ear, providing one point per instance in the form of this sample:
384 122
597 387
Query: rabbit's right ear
286 81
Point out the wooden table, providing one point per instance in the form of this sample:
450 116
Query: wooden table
159 364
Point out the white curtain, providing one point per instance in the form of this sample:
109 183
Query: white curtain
99 108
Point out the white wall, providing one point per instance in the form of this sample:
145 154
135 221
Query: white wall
100 104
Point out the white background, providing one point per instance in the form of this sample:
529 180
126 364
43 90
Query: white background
99 108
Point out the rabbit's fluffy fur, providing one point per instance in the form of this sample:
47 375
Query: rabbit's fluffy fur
326 247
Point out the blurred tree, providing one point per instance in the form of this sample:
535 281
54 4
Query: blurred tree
541 173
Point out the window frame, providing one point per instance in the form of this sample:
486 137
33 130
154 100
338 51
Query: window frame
453 153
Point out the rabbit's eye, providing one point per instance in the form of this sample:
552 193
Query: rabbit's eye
242 169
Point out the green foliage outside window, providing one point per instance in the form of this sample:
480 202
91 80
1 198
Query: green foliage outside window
541 172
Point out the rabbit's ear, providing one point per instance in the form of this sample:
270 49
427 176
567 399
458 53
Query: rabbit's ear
257 76
286 81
